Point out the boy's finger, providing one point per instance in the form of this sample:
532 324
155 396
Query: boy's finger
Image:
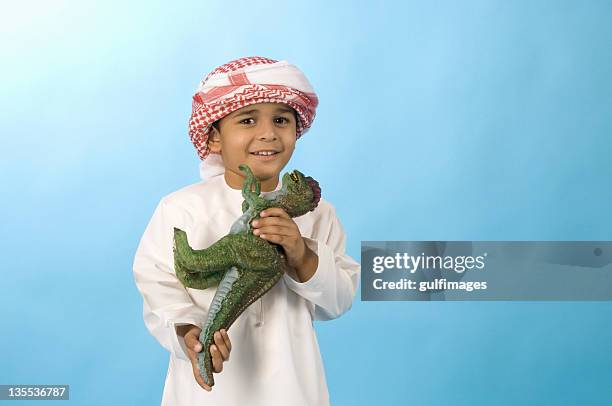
192 342
226 338
278 230
220 342
192 356
270 221
276 239
216 359
274 211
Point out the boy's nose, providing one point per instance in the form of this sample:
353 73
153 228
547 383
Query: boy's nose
267 131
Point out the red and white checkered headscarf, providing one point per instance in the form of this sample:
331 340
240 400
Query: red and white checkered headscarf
247 81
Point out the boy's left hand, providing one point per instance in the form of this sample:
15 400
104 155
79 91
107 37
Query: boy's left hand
276 226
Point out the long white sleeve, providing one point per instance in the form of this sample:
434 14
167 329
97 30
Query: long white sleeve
332 287
166 303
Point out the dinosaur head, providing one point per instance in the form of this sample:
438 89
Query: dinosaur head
302 193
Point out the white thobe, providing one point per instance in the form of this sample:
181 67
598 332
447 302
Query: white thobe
275 358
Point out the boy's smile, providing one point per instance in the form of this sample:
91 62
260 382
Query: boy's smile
261 136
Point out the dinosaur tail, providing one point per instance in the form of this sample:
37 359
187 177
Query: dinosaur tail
238 290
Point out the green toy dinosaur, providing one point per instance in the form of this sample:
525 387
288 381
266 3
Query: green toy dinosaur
244 265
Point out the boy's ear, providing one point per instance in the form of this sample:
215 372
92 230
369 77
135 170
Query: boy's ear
214 140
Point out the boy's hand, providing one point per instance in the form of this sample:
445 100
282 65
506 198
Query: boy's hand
276 226
220 351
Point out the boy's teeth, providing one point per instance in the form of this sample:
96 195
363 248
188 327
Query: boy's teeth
264 153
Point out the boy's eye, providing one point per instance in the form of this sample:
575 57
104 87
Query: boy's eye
278 120
282 120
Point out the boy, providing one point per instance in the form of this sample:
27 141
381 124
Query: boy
250 110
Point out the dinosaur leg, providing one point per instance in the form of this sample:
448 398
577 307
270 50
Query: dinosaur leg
213 259
244 251
196 280
188 277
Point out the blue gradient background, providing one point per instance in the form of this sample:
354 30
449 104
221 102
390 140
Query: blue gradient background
473 120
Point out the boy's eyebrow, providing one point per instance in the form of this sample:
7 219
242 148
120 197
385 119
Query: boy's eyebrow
278 110
284 110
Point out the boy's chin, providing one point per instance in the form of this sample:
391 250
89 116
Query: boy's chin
265 172
263 176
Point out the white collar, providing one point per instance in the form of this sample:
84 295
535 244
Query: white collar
211 166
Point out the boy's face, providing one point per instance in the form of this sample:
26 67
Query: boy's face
261 136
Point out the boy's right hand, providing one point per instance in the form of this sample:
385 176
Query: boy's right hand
219 351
